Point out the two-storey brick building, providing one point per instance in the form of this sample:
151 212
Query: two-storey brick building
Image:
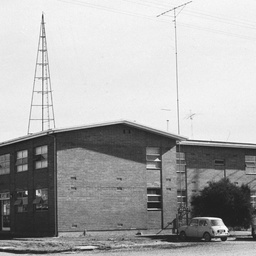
200 162
111 176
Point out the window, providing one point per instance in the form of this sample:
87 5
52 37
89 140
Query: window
22 201
202 223
22 161
5 164
182 197
250 164
194 222
154 198
180 162
153 158
41 156
41 199
253 199
219 164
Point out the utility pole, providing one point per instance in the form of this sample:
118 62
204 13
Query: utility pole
176 57
41 109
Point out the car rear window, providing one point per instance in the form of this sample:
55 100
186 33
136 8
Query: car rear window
217 223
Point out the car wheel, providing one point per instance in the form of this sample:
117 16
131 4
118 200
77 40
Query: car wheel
223 239
182 236
207 237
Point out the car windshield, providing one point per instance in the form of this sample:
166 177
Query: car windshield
217 223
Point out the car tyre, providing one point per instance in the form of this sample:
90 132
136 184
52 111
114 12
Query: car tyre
223 239
207 237
182 236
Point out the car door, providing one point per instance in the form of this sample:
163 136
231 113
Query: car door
202 227
192 228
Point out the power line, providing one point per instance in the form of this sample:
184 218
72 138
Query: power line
114 10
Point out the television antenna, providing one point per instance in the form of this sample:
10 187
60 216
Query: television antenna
191 116
176 55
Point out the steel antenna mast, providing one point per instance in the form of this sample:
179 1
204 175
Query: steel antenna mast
41 109
176 56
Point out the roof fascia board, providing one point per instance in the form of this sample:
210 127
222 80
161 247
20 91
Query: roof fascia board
128 123
217 144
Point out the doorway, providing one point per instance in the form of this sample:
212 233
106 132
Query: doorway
5 212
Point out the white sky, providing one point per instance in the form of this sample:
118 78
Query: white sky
114 59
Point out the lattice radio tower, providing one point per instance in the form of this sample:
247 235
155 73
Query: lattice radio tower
41 116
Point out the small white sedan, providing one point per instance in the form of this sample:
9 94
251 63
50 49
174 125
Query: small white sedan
204 227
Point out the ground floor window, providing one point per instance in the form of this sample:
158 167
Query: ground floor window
253 199
181 198
21 201
154 198
41 199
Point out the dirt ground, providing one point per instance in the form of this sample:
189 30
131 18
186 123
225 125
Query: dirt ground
95 240
99 240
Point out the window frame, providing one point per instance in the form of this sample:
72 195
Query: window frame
41 204
41 157
250 164
153 158
180 162
5 162
21 201
253 199
181 197
22 162
151 198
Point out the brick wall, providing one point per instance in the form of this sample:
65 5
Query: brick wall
102 181
201 168
29 223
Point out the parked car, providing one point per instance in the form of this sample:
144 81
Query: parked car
204 227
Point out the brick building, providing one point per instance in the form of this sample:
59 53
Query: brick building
111 176
200 162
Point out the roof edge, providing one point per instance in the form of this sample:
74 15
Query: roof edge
205 143
90 126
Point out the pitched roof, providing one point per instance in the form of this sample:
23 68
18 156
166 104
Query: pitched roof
90 126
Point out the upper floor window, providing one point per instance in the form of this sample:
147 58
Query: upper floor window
180 161
41 199
219 162
250 164
22 201
153 158
22 161
41 157
5 164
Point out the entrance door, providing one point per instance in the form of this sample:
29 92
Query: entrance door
5 224
5 214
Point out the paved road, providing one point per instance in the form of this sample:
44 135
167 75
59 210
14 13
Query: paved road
241 247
